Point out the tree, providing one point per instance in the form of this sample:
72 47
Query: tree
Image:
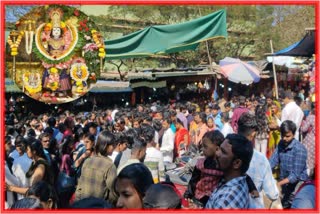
291 23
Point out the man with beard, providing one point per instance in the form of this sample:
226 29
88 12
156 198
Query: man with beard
233 159
291 155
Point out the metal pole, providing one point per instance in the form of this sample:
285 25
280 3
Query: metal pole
274 72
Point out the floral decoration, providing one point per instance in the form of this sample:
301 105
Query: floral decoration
74 56
32 82
53 83
79 70
14 45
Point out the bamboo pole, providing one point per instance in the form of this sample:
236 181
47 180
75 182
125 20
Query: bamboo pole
274 72
210 60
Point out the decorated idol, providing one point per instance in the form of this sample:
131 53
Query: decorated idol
63 53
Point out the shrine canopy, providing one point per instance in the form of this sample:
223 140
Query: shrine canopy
304 48
163 39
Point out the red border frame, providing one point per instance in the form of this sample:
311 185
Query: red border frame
158 2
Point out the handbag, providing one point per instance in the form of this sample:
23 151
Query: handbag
65 182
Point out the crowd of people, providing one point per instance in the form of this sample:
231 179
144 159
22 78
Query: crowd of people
251 148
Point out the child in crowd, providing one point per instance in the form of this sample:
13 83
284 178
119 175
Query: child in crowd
205 175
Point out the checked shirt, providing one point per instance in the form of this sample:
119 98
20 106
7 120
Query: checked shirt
292 160
234 194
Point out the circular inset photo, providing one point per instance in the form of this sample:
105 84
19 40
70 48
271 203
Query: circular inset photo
55 54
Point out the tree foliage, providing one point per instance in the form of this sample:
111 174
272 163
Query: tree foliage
250 29
291 23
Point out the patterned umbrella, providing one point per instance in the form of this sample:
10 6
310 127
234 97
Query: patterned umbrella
238 71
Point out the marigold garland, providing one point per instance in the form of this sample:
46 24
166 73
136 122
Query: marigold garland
32 89
75 40
53 83
97 39
75 71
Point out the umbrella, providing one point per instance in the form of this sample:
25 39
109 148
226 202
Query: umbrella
238 71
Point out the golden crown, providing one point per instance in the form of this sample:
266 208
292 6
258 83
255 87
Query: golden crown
56 15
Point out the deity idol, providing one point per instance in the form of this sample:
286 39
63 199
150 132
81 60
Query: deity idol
54 40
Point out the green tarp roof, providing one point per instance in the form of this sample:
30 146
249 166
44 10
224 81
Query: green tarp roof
160 39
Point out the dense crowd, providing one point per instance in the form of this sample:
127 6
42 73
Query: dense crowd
250 148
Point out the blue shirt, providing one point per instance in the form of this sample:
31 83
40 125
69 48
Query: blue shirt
48 157
233 194
55 132
305 198
173 127
292 160
59 137
217 121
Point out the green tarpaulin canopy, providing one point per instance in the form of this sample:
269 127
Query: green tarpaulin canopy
160 39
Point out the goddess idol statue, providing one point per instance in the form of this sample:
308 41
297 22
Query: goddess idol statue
56 39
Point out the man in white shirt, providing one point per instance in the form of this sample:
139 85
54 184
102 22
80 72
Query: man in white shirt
227 129
259 168
292 112
167 144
